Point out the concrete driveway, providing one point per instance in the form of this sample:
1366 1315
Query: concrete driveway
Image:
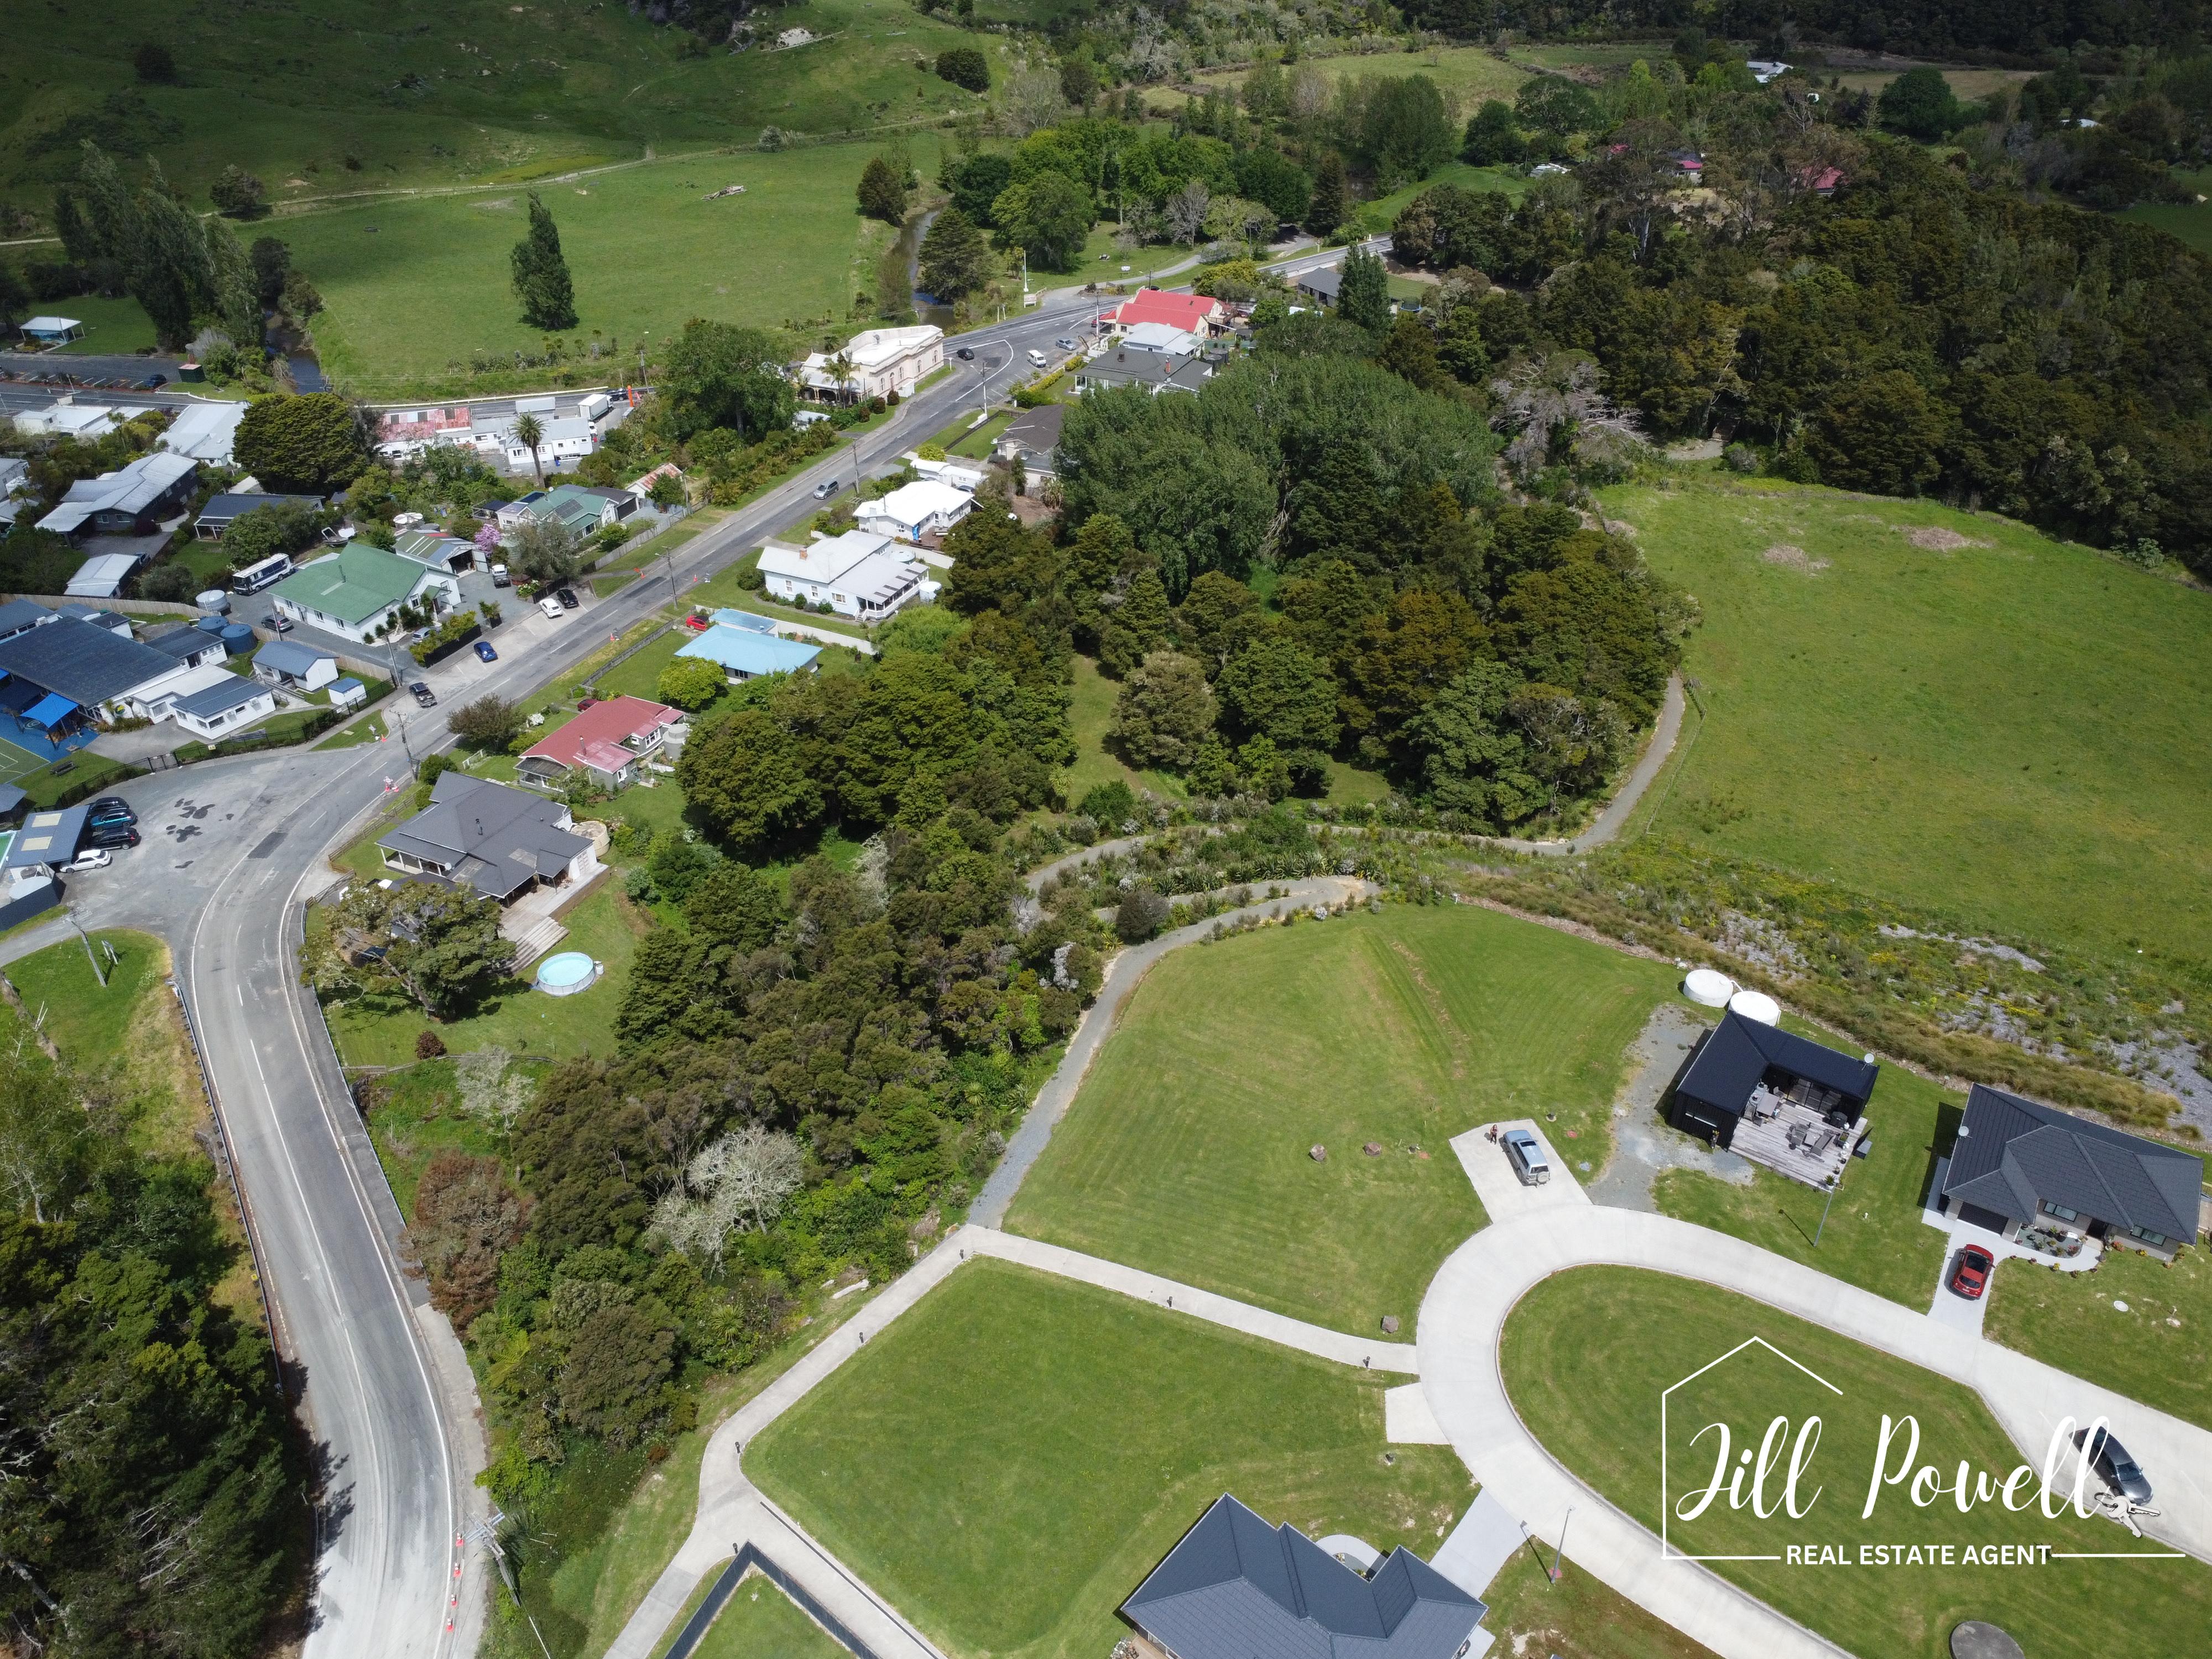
1500 1189
1465 1310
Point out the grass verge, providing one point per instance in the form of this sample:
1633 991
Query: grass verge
2158 1350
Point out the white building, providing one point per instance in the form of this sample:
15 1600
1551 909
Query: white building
206 432
71 419
561 438
859 575
884 361
915 510
961 475
224 708
1163 338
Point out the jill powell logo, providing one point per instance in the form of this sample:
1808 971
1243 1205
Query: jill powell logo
1777 1481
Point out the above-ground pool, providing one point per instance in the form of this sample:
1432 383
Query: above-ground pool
566 973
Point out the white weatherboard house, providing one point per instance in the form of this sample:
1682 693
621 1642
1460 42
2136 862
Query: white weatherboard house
858 574
884 361
915 510
359 590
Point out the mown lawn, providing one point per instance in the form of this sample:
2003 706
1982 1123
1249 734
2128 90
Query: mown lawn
1577 1618
759 1621
2159 1351
1587 1355
1091 712
415 286
2008 731
604 924
1005 1462
2190 222
1875 1237
1186 1152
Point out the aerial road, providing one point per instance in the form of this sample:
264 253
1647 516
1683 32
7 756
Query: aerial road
232 848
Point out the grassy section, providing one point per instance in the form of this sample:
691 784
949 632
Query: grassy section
1091 711
1577 1618
1007 1462
1186 1152
112 327
1875 1237
1587 1355
128 1034
369 730
418 1114
2012 728
415 286
604 924
45 786
1383 208
1469 74
2189 222
355 96
759 1621
2159 1351
1350 785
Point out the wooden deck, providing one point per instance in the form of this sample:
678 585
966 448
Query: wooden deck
1770 1142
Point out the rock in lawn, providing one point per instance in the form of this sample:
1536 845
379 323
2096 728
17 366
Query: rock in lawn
1389 1324
1317 1153
1373 1149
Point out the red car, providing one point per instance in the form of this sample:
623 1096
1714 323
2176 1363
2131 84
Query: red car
1972 1276
698 622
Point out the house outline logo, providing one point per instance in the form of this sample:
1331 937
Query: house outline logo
1667 1550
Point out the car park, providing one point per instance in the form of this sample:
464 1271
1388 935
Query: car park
1970 1275
552 607
93 858
485 652
2109 1459
423 695
113 835
568 597
1527 1157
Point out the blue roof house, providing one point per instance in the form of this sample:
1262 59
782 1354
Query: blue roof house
743 654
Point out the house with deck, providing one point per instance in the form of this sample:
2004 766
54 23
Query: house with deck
1797 1106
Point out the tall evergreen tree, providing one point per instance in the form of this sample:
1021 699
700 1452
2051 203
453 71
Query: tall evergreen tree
237 290
883 190
541 273
954 259
103 207
170 274
1364 297
1332 195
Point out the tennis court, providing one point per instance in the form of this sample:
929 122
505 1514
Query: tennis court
17 763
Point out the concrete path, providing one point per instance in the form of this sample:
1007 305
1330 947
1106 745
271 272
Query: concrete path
1378 1354
1465 1310
1407 1420
1122 974
732 1511
1038 878
1483 1542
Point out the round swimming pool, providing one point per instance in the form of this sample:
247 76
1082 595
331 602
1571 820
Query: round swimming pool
566 973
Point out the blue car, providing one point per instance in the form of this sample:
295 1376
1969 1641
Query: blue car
484 651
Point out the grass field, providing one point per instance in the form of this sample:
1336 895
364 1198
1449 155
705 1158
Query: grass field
759 1621
111 326
1587 1355
353 96
1577 1618
1468 75
2009 730
415 285
1875 1237
1007 1462
2190 222
2159 1351
1186 1152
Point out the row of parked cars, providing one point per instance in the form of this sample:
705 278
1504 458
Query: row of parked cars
108 828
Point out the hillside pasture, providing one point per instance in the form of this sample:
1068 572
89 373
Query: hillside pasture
1942 708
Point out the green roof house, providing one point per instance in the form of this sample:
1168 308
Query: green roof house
358 590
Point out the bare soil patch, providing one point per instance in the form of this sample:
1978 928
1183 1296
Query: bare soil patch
1790 557
1936 539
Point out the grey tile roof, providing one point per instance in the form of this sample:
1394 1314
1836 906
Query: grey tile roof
489 836
2014 1153
85 663
227 509
1737 1054
1235 1588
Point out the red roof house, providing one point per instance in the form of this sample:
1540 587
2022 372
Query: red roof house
610 740
1197 313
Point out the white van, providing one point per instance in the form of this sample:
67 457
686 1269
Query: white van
1037 358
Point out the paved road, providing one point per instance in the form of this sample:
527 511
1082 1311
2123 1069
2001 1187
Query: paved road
1465 1310
230 846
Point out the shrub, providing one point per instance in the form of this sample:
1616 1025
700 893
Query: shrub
964 66
429 1046
154 62
1740 457
238 193
1140 915
1110 805
690 682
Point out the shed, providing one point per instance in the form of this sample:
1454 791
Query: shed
102 576
285 662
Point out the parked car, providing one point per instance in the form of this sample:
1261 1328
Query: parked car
698 622
1065 343
113 835
423 695
1037 358
152 382
966 354
1970 1277
277 624
93 858
485 652
500 578
2114 1466
551 608
100 817
1527 1157
568 597
112 802
825 490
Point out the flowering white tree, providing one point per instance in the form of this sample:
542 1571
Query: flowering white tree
748 1173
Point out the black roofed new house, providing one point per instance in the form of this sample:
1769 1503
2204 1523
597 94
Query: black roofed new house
1235 1588
1777 1098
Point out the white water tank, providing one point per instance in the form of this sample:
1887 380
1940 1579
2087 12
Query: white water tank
1756 1005
1708 988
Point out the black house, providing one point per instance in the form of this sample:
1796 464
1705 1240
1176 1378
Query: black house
1743 1070
1235 1588
2018 1163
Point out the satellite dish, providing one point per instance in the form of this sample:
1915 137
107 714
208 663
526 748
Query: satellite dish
1708 988
1756 1005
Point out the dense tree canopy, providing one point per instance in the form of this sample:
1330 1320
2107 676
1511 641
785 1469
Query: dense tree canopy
309 444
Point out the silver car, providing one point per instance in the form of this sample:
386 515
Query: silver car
1526 1155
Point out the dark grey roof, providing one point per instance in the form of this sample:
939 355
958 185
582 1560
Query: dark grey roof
490 837
1037 431
1235 1588
85 663
2012 1153
1324 281
1155 369
227 509
1737 1054
218 699
182 642
18 614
